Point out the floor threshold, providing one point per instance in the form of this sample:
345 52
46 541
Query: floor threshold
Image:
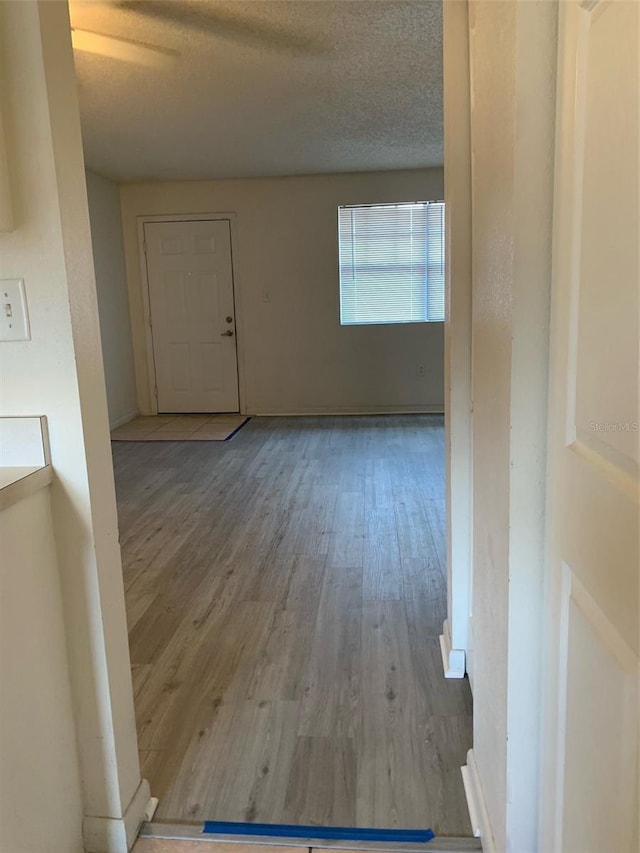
194 832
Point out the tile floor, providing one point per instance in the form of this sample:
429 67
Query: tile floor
179 428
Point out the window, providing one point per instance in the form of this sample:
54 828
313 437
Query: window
391 263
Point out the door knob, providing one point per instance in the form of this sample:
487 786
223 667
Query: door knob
227 334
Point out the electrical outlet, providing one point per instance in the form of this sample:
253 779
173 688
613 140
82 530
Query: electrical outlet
419 369
14 318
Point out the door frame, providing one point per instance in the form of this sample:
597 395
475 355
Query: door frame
456 641
232 219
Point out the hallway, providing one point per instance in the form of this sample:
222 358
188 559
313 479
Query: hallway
285 591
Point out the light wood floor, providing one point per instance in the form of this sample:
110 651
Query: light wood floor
285 592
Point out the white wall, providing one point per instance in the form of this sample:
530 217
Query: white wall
40 797
295 356
113 298
512 59
59 374
493 142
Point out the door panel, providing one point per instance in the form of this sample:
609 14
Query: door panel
590 772
191 299
600 735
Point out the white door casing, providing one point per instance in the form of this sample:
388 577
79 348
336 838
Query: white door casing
589 778
192 315
455 638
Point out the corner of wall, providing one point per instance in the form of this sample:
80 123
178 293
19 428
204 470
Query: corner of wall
480 823
453 660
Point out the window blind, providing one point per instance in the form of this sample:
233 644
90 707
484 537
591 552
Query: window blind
391 263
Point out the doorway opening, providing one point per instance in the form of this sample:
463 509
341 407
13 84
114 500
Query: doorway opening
286 589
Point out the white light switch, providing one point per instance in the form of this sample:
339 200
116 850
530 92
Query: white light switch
14 318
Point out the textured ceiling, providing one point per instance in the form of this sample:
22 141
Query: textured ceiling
267 87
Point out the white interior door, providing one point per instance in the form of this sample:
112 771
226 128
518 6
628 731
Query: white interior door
192 315
589 785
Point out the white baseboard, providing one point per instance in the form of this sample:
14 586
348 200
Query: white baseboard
124 419
477 805
151 809
315 411
435 409
453 660
117 835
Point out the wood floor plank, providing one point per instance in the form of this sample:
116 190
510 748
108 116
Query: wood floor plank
436 518
442 697
193 679
251 745
392 718
285 592
415 537
381 558
322 783
314 533
330 696
446 735
346 547
280 669
402 774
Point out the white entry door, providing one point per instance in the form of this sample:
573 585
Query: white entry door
589 784
192 315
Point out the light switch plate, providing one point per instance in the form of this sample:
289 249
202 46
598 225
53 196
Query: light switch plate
14 317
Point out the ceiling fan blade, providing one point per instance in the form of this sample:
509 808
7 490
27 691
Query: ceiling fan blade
225 24
123 49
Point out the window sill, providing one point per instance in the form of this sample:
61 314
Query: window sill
25 463
19 482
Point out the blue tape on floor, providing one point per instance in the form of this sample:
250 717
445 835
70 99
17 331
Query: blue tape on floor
408 836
